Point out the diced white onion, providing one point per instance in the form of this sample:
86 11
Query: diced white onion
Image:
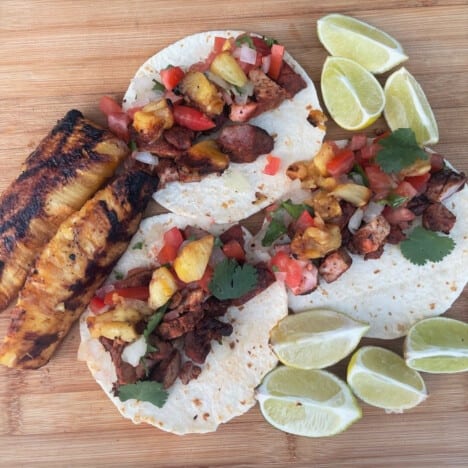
266 62
355 220
107 288
247 55
372 210
217 80
134 351
245 92
145 157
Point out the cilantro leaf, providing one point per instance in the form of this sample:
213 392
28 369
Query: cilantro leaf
394 200
269 41
152 392
153 322
158 86
245 39
137 246
132 145
296 209
231 280
358 174
400 149
275 230
422 246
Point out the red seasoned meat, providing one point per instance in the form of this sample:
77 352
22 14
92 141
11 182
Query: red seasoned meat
135 277
371 236
196 347
161 148
180 325
291 81
334 265
243 112
179 137
167 172
244 142
444 183
396 235
268 94
418 204
233 233
168 370
438 217
184 301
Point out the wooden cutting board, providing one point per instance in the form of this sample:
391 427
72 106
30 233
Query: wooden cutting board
60 55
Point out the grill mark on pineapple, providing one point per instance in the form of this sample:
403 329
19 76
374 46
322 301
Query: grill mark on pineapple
37 344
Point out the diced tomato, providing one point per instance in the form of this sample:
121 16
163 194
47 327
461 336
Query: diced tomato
369 152
405 189
118 123
108 105
260 46
419 182
204 281
304 221
398 215
170 77
173 238
277 53
135 292
192 118
341 163
219 44
233 249
358 141
437 162
309 279
97 305
379 182
272 166
290 267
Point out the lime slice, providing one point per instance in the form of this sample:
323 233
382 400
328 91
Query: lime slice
353 96
348 37
406 106
312 403
381 378
315 339
438 345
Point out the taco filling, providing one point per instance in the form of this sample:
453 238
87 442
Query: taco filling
189 292
226 110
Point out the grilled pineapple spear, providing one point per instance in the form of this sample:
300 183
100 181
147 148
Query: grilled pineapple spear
67 167
71 267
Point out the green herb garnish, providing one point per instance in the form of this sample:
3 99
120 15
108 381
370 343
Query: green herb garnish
132 145
153 322
269 41
137 246
152 392
400 150
296 209
394 200
158 86
231 280
422 246
276 228
118 275
245 39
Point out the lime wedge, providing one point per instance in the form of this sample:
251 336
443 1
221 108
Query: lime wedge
352 95
406 106
438 345
381 378
312 403
344 36
315 339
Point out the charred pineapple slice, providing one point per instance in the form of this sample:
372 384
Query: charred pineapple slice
200 90
162 287
325 205
155 117
226 66
207 156
358 195
316 241
192 260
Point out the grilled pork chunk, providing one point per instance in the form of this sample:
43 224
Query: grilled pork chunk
68 166
71 267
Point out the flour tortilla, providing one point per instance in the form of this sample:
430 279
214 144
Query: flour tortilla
391 293
232 370
242 189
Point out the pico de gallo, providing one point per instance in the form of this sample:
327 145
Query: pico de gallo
363 195
196 120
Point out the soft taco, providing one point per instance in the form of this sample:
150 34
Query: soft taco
180 339
388 247
224 113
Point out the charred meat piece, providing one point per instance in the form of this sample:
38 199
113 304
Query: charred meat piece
334 265
171 329
268 94
244 142
161 148
291 81
371 236
443 184
243 112
179 137
196 347
233 233
438 217
396 235
418 204
71 267
135 277
167 172
67 167
205 157
167 371
188 372
187 300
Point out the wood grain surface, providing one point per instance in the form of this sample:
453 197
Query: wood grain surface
66 54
